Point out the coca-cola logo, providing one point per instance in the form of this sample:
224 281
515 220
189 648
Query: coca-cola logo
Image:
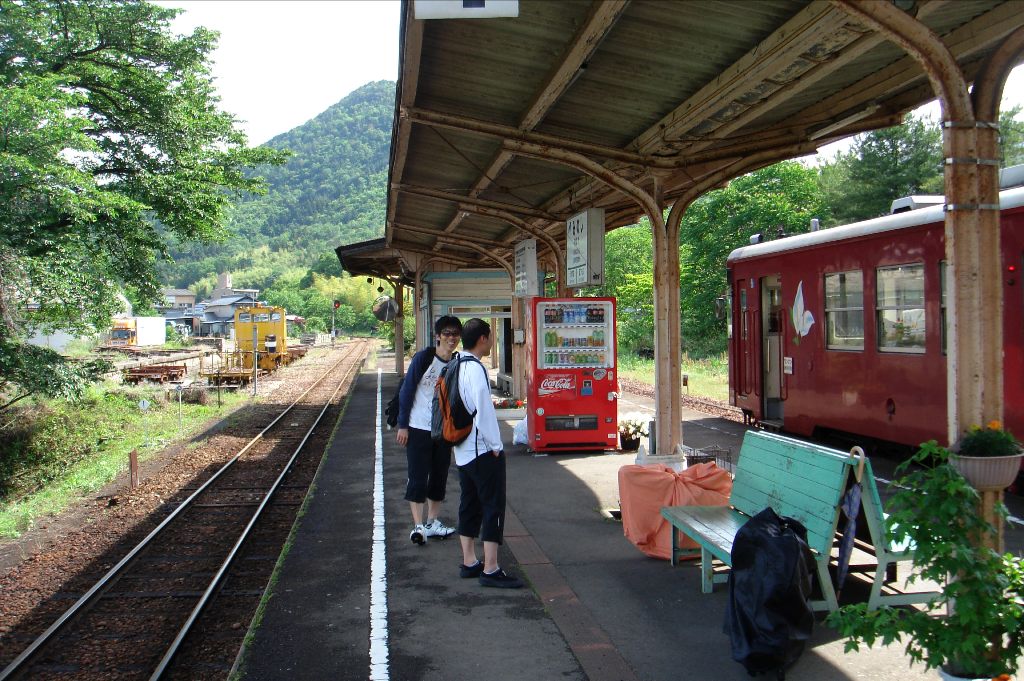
555 384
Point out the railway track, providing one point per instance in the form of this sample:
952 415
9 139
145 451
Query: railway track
177 605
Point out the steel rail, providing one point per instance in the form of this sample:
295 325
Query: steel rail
229 559
15 666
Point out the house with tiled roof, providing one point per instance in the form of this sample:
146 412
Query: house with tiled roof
216 315
176 299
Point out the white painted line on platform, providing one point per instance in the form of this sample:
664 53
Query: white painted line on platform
378 562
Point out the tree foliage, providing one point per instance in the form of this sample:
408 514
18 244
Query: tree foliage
883 165
784 195
629 277
331 192
111 148
1011 134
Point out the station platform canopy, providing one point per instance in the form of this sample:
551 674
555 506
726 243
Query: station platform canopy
504 125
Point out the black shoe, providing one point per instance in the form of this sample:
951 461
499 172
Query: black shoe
470 571
500 580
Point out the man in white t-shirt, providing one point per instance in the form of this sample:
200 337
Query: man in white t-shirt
428 461
481 461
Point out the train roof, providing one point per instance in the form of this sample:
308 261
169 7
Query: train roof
1010 198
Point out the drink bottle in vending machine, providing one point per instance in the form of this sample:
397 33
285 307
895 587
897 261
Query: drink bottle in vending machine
572 381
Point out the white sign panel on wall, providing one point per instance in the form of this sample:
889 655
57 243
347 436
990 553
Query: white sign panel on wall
465 9
584 249
526 269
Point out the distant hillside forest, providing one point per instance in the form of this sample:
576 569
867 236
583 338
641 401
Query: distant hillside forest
332 191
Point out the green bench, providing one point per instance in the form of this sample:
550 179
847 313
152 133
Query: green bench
804 481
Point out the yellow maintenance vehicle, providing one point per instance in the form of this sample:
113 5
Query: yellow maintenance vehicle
264 327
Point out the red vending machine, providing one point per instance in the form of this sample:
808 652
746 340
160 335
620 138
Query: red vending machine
572 390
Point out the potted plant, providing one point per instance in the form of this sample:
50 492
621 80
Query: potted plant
988 457
974 628
631 428
507 403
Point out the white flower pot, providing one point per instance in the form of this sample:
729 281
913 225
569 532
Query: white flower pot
946 676
988 472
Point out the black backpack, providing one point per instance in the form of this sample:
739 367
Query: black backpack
391 409
768 615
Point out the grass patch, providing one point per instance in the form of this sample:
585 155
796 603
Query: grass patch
707 377
55 452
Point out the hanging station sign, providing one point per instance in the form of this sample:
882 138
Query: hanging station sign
584 249
465 9
526 269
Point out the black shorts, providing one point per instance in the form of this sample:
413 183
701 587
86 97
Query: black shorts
428 467
482 505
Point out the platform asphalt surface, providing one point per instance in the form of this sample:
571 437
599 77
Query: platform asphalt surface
595 608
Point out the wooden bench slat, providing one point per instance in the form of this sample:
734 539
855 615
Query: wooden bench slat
713 526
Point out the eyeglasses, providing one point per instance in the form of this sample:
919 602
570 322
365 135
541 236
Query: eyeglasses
451 334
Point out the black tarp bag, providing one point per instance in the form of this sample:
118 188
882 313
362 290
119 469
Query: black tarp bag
768 616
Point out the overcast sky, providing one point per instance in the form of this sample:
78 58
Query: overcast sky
280 63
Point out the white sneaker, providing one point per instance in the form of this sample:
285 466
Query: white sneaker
435 528
419 535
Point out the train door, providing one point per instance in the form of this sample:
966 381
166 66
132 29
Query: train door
772 320
744 347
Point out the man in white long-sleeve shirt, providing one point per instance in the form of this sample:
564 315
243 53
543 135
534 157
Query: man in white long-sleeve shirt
481 461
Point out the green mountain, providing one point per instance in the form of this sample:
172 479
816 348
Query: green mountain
330 192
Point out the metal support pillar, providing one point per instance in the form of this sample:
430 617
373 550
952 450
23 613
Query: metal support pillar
519 366
974 294
667 400
417 313
973 281
536 232
400 330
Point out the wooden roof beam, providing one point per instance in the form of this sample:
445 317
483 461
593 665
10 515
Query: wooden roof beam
503 132
847 54
591 192
603 16
490 255
442 195
445 257
426 231
518 224
766 59
970 38
411 40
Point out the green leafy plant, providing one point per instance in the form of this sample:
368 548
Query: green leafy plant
974 626
991 440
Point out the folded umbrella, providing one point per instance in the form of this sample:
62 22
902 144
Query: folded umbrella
851 508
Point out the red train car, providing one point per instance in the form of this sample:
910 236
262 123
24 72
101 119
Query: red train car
843 330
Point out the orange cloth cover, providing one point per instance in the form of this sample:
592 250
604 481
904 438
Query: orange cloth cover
644 490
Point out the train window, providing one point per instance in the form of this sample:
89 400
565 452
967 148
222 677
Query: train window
244 317
728 313
743 317
942 305
900 308
844 310
264 317
275 316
